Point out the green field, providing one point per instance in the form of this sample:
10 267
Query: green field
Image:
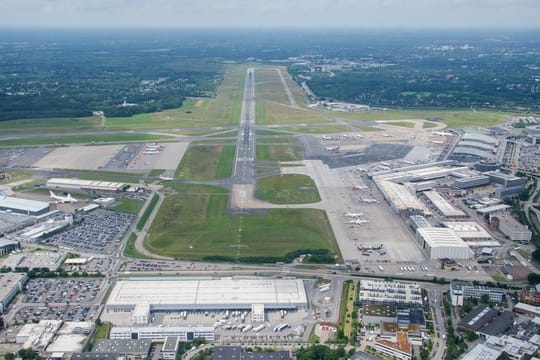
278 153
287 189
130 250
147 212
15 176
156 172
194 224
127 205
429 125
206 163
83 139
406 124
452 118
268 85
268 112
54 125
317 129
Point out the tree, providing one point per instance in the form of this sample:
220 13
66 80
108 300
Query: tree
533 278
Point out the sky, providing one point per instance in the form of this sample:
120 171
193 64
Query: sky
272 13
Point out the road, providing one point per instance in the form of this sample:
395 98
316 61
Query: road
244 164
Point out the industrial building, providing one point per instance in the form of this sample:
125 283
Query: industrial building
389 292
418 221
36 259
474 147
23 206
472 233
443 206
471 181
84 185
440 243
459 291
506 180
400 349
128 348
160 333
8 246
170 348
484 166
142 296
38 336
237 352
533 134
10 285
515 230
530 295
482 352
401 200
487 321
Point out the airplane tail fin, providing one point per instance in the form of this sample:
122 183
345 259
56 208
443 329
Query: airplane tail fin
51 193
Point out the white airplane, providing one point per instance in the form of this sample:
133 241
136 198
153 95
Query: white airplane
437 142
63 199
165 178
353 215
358 221
441 133
359 187
369 201
332 148
326 137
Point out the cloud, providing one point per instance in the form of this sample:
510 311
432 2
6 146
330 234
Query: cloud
268 13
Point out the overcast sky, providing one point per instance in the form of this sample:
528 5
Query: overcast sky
272 13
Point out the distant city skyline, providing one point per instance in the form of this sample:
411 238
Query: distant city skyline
482 14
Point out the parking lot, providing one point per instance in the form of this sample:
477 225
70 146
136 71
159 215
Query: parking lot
60 312
62 291
161 265
97 231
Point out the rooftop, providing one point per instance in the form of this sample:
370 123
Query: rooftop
236 352
402 342
437 237
208 292
443 205
138 346
482 352
14 203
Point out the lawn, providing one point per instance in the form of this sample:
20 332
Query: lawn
268 112
317 129
207 162
130 250
14 176
147 212
127 205
53 125
84 139
287 189
278 153
406 124
429 125
194 224
452 118
156 172
268 85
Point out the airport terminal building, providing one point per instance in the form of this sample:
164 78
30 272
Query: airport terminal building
140 297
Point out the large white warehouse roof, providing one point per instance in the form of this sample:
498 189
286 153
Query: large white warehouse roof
64 183
22 205
208 293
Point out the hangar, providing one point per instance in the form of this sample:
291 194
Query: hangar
23 206
142 296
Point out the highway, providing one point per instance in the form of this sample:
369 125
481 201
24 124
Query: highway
244 164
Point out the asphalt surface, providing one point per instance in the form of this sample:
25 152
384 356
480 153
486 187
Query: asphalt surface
244 165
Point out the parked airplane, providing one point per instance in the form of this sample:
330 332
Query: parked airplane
358 221
441 133
165 178
331 148
353 215
359 187
326 137
369 201
63 199
438 142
